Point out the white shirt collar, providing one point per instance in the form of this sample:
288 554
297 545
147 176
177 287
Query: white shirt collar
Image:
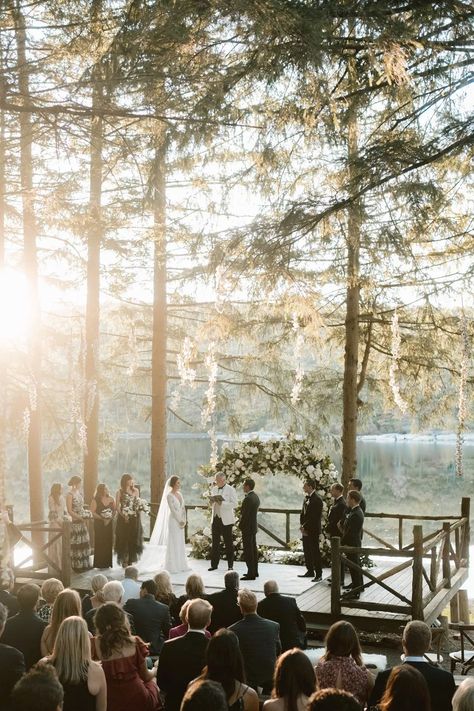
200 631
414 659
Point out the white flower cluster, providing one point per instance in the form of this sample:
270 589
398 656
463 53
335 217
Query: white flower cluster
298 354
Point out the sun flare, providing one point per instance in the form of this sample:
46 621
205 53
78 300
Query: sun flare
15 306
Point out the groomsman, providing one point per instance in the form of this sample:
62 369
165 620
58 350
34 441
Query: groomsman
336 516
248 526
356 485
310 524
352 536
224 501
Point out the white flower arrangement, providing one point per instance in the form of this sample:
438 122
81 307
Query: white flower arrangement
86 514
106 513
143 505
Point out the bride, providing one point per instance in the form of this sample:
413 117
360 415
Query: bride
166 547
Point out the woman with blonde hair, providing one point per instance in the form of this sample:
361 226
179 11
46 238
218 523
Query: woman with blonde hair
67 604
82 679
342 667
165 593
91 602
49 592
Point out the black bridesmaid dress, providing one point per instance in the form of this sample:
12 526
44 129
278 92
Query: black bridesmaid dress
103 535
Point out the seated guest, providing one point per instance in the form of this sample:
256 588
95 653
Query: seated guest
333 700
25 629
82 679
152 618
284 610
67 603
225 609
95 599
293 683
463 699
12 665
406 690
259 641
182 659
39 690
194 588
49 592
165 594
416 641
130 684
6 592
111 592
130 584
225 665
181 629
342 665
203 695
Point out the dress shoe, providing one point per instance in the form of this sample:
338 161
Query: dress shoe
351 595
306 575
247 577
347 587
211 568
317 579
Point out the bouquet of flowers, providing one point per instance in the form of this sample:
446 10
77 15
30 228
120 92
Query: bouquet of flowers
107 513
85 514
143 505
128 510
66 517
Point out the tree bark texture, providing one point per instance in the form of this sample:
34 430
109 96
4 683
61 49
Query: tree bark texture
3 359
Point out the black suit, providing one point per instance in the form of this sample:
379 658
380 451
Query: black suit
440 685
10 602
248 526
225 610
260 645
181 660
285 611
12 667
24 631
310 521
336 515
352 536
152 620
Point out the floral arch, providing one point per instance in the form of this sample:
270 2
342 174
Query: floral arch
256 458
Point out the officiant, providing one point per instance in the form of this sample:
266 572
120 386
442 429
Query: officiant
224 500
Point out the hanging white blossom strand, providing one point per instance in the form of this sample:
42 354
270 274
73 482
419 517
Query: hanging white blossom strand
462 408
396 342
210 362
298 354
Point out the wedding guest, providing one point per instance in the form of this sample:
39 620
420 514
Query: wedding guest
249 527
131 586
180 630
130 684
342 665
225 665
7 583
463 699
293 682
66 604
94 600
25 629
49 592
356 485
352 536
152 618
333 700
111 592
194 589
80 543
165 593
203 695
225 607
259 641
57 510
129 531
38 690
222 520
416 641
12 664
285 611
182 659
83 680
310 524
102 508
406 690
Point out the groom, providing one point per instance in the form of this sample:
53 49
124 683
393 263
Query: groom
224 500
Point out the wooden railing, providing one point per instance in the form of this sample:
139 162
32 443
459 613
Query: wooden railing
433 558
38 564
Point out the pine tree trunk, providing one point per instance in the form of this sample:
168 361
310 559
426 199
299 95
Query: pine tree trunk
351 353
94 241
159 336
30 257
3 359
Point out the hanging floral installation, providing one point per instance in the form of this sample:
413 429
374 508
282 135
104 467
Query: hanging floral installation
394 365
207 414
298 355
187 374
462 408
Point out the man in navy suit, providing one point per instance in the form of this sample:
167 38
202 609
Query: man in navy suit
285 611
12 664
151 618
225 608
25 629
416 642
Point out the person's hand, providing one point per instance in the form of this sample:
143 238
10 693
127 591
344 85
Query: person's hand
182 524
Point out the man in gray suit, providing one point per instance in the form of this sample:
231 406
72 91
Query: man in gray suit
259 641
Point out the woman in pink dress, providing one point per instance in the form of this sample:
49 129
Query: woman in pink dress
130 684
342 666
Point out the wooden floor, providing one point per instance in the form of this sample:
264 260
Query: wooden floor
314 599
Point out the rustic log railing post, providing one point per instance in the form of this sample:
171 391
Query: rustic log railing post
400 534
335 576
447 554
66 554
417 572
288 533
433 570
466 513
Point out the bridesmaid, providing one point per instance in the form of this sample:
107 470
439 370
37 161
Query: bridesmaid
57 509
80 543
103 509
129 532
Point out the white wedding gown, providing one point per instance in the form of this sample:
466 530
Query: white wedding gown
166 550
